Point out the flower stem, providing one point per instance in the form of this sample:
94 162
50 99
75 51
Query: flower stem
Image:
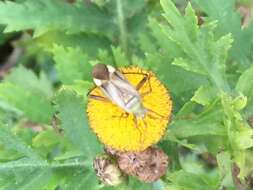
122 27
16 165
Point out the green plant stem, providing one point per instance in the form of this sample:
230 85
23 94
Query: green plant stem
122 27
42 165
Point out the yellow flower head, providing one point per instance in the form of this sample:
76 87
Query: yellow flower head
121 131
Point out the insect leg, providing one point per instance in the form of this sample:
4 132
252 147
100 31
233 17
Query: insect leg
142 82
155 113
135 122
96 97
123 115
136 125
100 98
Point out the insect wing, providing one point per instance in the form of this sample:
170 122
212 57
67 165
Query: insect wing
121 83
113 93
119 90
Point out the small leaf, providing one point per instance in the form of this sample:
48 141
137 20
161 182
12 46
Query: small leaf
119 57
245 82
202 53
71 64
27 79
35 106
81 88
204 95
13 142
89 44
186 64
239 102
46 15
74 123
225 169
191 22
229 21
208 122
105 57
190 181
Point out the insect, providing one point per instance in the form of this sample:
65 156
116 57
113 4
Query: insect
118 90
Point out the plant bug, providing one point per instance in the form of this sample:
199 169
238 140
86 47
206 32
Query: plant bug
118 90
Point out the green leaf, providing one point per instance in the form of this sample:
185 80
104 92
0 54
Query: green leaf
71 64
129 8
80 182
190 181
204 95
35 180
245 83
28 174
86 43
245 86
46 15
47 140
81 88
203 54
28 80
13 142
74 123
30 94
229 21
159 54
35 106
30 178
119 57
225 169
4 37
243 139
208 122
187 65
32 172
191 22
166 44
8 155
239 133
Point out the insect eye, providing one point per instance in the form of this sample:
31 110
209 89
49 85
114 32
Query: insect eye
100 72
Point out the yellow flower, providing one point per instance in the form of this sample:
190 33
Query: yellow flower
118 130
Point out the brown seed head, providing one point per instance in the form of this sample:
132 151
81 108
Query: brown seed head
107 171
148 165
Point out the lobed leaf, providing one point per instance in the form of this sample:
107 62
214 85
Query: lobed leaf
35 106
229 21
13 142
85 42
28 80
46 15
190 181
74 123
198 44
71 64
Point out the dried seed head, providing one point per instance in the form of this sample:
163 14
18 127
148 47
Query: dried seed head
111 151
148 165
107 171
